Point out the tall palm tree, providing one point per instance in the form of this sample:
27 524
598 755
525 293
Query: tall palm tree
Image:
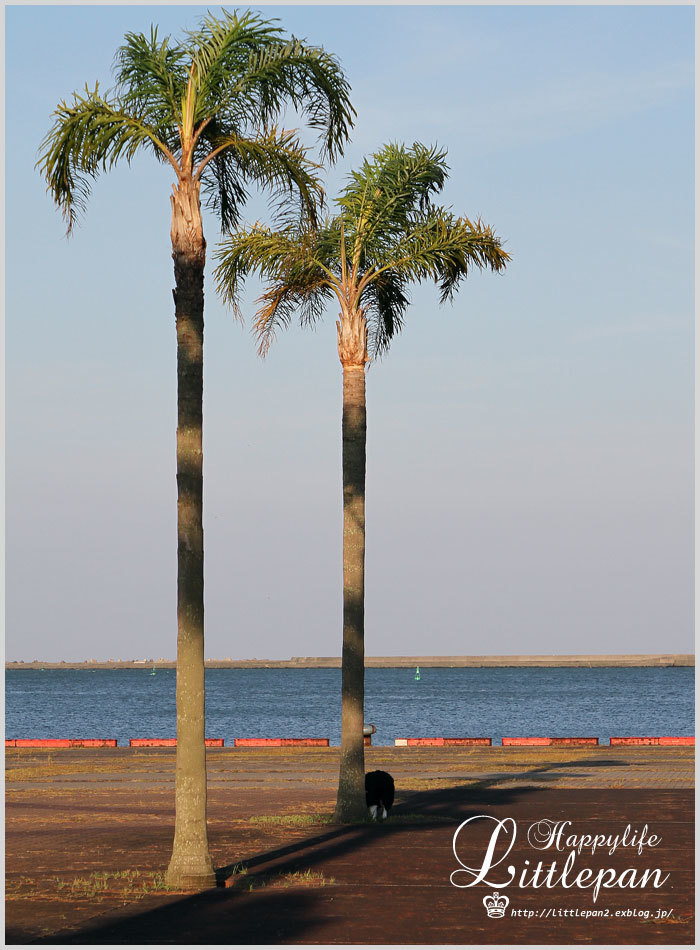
204 107
386 235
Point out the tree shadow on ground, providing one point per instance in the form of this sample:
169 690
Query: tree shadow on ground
453 802
214 917
450 801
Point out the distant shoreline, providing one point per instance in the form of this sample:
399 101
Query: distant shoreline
383 662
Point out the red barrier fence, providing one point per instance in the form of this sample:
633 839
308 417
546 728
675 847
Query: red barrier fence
41 743
257 743
549 740
442 741
455 740
652 740
161 743
61 743
266 743
151 743
93 743
324 743
320 743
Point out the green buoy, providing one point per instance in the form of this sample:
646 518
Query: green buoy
417 676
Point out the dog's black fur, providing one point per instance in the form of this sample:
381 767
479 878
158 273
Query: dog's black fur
379 793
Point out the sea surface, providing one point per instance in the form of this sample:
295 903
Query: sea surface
495 702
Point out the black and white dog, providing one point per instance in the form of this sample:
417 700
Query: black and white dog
379 793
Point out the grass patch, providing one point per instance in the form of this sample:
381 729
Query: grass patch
326 818
307 878
242 880
97 885
294 820
51 769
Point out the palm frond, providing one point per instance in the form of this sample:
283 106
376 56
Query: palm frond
225 191
312 80
389 190
442 248
89 136
151 77
246 70
384 300
221 48
281 302
299 277
270 254
273 160
477 246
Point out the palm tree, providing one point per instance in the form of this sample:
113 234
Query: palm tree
387 234
204 107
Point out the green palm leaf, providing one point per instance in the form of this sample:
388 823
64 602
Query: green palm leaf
441 247
151 76
389 190
243 66
297 265
385 301
282 302
274 160
88 137
273 255
223 47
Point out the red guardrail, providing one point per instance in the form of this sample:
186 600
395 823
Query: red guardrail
61 743
324 743
442 741
93 743
549 740
162 743
652 740
41 743
266 743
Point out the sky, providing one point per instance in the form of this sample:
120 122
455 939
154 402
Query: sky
530 447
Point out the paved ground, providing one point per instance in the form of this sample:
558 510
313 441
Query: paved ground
89 833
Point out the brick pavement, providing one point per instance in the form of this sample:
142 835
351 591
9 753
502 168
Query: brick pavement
76 818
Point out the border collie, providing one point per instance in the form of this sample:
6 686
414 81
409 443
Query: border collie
379 794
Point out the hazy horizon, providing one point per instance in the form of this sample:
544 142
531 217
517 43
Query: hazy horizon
393 656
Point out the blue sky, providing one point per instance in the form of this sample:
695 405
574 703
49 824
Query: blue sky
529 478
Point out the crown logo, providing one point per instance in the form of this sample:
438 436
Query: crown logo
496 904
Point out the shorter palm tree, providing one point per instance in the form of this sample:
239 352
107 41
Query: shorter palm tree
386 235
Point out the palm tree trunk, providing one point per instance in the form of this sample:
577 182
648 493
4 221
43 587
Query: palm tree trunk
190 865
352 347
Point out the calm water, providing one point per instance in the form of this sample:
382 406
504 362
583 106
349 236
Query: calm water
125 704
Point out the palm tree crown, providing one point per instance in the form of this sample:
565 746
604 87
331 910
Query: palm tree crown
205 106
387 234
